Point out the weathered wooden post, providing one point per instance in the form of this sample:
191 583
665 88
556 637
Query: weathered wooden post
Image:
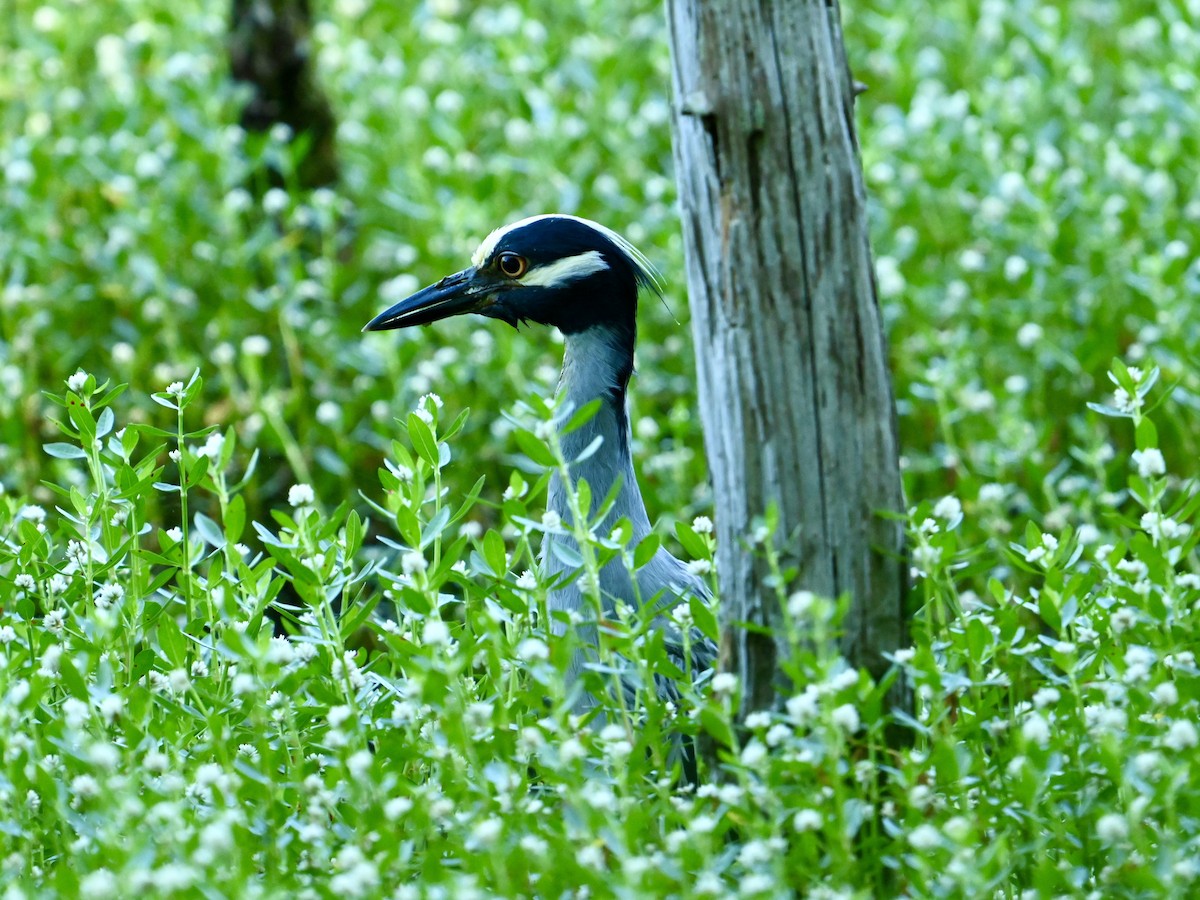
795 391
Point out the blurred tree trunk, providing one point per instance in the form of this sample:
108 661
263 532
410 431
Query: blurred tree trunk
795 391
270 49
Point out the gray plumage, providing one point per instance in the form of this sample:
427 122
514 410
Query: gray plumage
591 369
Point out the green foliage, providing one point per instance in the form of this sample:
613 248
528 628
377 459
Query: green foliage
271 619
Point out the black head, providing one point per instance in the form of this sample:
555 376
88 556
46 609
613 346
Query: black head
554 270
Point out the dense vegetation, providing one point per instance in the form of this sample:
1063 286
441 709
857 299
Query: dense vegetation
195 698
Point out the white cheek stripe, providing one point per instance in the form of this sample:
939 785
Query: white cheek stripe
565 270
488 247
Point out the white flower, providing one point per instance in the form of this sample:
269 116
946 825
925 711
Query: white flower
19 171
992 493
533 649
1103 719
1125 402
256 345
957 828
51 658
435 632
175 534
1029 333
111 707
702 525
724 683
806 820
702 824
1181 735
699 567
777 734
175 388
301 495
926 557
551 521
32 513
109 594
77 381
924 837
803 707
846 718
754 753
1149 462
1046 696
948 508
487 831
397 807
1036 730
527 581
1112 828
1159 526
212 446
1165 694
99 885
800 603
338 715
758 719
413 562
275 201
1138 661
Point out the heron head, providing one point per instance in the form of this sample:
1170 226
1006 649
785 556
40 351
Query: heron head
554 270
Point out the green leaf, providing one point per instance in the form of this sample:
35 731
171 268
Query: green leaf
494 553
235 518
646 549
535 448
456 425
196 471
692 543
469 501
979 640
1147 435
567 554
64 451
105 423
1105 410
143 662
434 528
716 725
170 640
408 525
70 678
81 418
354 533
208 530
355 615
705 617
422 439
581 416
1049 612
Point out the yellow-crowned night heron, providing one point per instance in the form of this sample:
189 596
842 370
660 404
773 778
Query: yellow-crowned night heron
583 279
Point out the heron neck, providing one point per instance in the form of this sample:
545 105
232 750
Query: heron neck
597 364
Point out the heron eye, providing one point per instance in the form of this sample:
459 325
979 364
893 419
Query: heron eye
511 265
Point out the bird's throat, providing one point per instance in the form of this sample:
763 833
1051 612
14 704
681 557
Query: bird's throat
597 364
